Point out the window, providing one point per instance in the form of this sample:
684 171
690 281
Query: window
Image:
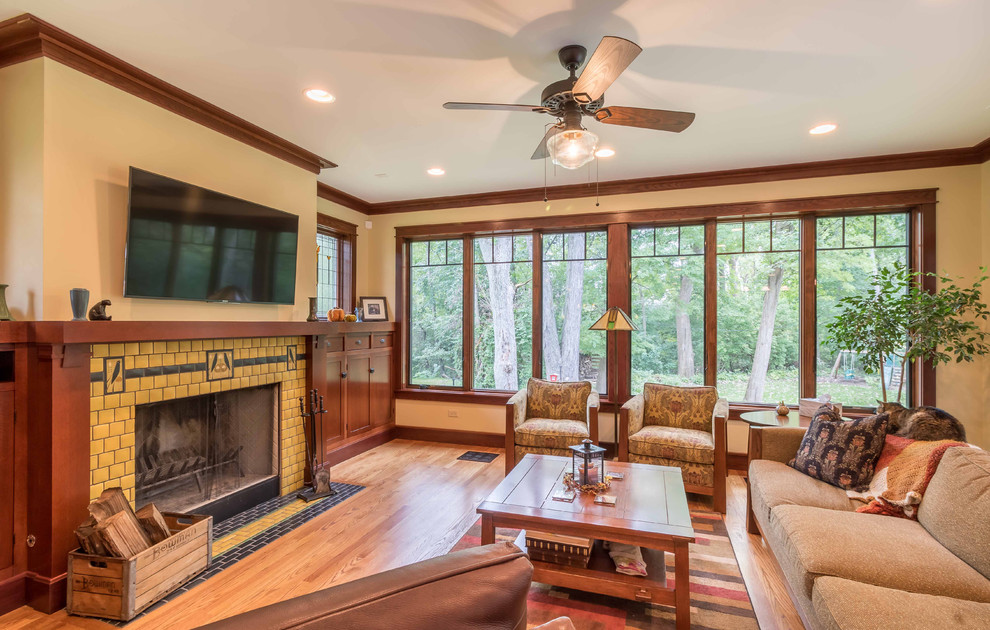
668 305
849 251
503 311
436 313
758 302
335 258
574 297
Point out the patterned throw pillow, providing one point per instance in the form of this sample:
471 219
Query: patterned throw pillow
557 401
680 407
841 452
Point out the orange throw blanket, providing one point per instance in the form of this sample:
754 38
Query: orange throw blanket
902 475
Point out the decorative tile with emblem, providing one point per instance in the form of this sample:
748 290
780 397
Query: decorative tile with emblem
113 375
219 364
290 357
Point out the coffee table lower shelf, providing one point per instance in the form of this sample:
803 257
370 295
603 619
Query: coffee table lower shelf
600 576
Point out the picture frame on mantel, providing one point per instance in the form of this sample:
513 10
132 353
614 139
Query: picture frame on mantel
375 309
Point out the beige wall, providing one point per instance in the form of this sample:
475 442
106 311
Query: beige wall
961 250
363 246
985 231
21 164
92 133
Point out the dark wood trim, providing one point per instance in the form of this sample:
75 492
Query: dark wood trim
401 310
790 207
450 436
467 314
807 306
369 440
122 331
737 462
976 154
923 259
537 305
26 37
325 191
617 286
711 302
454 396
333 224
13 592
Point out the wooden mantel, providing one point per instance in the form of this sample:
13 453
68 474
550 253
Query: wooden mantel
45 433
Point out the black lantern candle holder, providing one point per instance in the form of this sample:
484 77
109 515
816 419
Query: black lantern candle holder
587 464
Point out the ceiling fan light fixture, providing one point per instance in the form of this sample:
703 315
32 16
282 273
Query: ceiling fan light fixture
436 170
823 128
572 148
604 152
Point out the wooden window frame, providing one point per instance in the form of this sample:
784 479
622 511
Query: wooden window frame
920 204
346 235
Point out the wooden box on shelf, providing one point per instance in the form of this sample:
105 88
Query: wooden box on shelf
120 588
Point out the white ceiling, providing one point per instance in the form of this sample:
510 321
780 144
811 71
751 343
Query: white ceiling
897 75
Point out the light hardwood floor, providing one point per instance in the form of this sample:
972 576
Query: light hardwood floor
418 502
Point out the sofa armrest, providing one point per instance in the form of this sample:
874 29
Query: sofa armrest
480 587
721 410
518 405
634 408
779 444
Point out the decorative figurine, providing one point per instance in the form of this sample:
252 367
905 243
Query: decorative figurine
312 310
336 314
5 315
99 312
783 409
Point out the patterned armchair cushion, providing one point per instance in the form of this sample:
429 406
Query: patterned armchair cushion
683 407
552 434
672 443
559 401
702 475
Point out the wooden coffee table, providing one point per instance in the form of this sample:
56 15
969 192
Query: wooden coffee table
651 511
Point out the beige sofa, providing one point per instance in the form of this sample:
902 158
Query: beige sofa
858 571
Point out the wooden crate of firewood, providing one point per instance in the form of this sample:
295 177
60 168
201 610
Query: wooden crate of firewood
120 588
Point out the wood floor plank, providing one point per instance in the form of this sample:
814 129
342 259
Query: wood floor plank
419 500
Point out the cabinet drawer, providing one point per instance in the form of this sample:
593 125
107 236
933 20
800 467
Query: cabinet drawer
357 342
335 344
381 340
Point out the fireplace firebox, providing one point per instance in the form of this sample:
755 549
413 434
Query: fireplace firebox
211 454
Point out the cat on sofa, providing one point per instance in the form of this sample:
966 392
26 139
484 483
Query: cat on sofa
922 423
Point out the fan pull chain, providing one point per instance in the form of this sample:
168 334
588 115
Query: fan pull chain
597 180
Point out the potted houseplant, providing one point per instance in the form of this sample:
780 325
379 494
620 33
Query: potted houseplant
901 321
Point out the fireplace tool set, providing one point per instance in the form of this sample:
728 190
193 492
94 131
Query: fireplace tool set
320 477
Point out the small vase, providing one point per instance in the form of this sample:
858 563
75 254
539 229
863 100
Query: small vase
79 299
312 310
5 315
783 409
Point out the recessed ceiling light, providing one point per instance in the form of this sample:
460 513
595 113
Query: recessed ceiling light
823 128
436 170
603 153
320 96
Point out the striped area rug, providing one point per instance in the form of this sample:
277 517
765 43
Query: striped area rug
719 599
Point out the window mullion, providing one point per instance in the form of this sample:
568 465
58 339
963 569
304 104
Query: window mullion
467 338
808 335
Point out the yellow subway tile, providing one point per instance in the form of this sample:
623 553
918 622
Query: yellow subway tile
111 401
111 443
132 348
116 471
147 347
127 398
122 455
128 363
168 393
154 360
142 397
106 416
129 427
172 346
117 428
96 403
116 349
127 439
185 346
105 460
185 378
168 359
129 467
121 413
141 361
96 365
156 395
160 381
95 490
181 391
160 347
100 350
171 380
181 358
196 345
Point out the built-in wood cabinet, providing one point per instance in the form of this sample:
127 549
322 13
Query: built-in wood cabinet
6 474
356 383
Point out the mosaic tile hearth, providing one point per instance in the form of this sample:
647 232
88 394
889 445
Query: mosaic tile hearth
124 375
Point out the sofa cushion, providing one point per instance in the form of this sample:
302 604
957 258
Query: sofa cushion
547 433
892 552
560 401
956 507
684 445
841 452
847 605
773 483
693 474
683 407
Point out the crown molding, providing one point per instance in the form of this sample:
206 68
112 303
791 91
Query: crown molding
976 154
26 37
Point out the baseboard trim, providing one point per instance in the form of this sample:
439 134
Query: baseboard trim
13 593
362 444
451 436
737 461
44 594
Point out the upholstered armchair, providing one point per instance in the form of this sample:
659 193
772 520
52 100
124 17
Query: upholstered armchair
546 418
682 427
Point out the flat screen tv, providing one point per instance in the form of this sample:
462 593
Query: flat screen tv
189 243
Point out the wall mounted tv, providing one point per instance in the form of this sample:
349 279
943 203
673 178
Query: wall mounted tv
189 243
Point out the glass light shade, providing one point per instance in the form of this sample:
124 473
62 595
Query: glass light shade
572 148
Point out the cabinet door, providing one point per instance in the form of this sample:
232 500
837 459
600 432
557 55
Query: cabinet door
358 383
334 402
6 478
381 389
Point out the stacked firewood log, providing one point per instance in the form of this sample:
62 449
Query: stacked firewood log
114 529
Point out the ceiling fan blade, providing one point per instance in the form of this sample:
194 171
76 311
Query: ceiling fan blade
613 55
541 149
496 106
659 119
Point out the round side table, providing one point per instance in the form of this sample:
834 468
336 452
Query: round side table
770 418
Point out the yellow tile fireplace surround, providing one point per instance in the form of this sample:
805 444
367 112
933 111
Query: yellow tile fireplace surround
125 375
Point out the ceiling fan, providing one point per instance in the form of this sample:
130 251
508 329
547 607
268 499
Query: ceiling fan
567 142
